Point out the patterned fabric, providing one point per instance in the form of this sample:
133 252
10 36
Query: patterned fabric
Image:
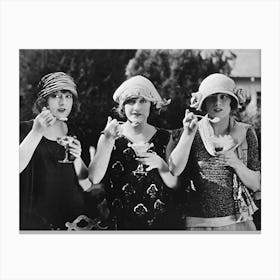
138 201
54 82
207 184
139 86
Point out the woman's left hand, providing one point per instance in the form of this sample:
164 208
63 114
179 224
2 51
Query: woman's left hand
75 148
152 160
229 158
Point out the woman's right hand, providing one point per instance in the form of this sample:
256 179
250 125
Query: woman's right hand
44 120
190 121
111 130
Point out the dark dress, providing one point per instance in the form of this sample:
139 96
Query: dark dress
139 202
50 194
207 190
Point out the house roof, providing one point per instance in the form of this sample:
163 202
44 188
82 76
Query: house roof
247 63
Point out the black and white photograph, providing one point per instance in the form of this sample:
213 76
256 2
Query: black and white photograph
139 139
151 139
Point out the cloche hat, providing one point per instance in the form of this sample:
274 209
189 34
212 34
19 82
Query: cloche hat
212 84
56 81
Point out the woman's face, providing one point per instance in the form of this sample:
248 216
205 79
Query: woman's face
218 105
60 104
137 109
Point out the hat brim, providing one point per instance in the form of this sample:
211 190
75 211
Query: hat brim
215 92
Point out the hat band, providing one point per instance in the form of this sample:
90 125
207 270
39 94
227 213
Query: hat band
55 88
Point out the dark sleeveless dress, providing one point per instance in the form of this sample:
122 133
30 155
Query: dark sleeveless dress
50 194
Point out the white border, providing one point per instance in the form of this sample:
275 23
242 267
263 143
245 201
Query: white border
158 24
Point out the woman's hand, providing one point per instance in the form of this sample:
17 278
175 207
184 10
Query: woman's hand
111 130
250 178
153 161
44 120
229 158
75 148
190 122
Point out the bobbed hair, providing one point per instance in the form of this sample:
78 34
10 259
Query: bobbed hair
119 109
233 104
42 102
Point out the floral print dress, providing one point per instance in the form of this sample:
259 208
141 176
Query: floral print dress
138 201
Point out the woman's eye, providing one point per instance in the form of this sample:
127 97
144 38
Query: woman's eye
212 98
224 96
131 101
69 96
143 100
54 95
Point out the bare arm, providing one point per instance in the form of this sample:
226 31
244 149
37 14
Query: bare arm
82 173
27 148
154 161
250 174
169 179
99 164
250 178
33 138
180 155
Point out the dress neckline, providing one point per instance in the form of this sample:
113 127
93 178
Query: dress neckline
54 140
148 141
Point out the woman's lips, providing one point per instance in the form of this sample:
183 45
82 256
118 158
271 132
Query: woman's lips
218 110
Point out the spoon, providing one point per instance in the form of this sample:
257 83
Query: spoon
214 120
63 119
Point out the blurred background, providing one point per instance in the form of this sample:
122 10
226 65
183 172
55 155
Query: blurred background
176 74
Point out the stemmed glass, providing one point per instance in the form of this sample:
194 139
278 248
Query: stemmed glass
65 141
139 149
223 143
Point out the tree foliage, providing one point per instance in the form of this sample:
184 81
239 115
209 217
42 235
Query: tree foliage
176 74
97 74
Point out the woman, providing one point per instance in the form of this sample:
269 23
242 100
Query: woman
50 193
137 189
217 158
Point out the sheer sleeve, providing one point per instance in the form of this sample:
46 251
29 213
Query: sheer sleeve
253 162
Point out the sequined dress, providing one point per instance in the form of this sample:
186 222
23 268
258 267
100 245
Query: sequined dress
138 202
207 185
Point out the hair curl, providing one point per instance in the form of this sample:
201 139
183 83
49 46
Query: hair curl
121 113
42 102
